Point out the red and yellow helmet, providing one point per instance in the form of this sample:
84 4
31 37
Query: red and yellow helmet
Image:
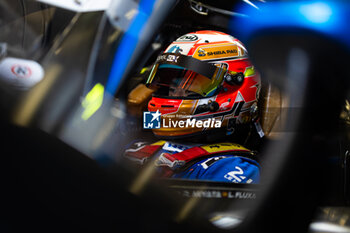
203 80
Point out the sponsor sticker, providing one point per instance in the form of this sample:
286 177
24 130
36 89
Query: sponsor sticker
212 148
216 52
187 38
175 49
21 71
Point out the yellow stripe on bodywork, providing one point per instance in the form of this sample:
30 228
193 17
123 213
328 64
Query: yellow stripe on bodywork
159 143
221 147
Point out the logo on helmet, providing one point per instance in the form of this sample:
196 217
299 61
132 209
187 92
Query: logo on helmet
175 49
187 37
201 53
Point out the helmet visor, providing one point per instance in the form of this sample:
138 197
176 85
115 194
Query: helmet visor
186 79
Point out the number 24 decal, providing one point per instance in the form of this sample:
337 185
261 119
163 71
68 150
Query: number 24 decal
233 175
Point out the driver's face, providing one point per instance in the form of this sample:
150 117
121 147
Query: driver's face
177 92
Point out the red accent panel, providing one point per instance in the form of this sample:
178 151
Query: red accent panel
156 104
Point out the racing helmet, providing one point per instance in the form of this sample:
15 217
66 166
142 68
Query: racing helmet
203 81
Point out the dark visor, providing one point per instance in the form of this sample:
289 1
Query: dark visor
182 76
